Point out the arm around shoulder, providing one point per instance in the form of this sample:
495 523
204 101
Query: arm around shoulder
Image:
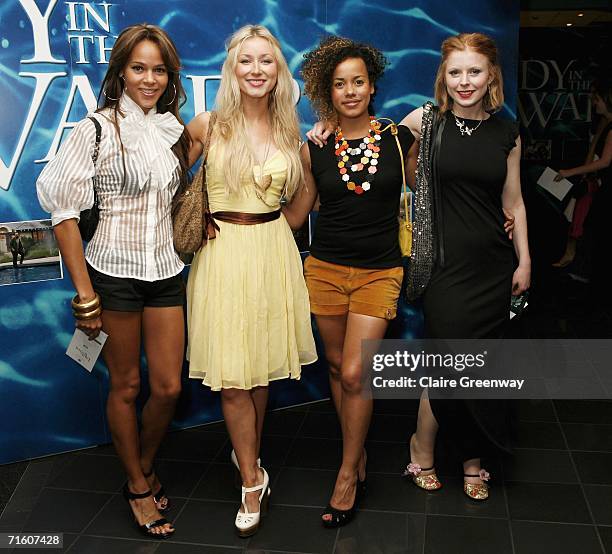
413 121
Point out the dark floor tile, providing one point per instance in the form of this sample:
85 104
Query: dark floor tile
606 538
283 422
589 436
600 500
303 487
274 451
321 425
398 407
191 444
168 547
546 466
10 474
315 453
451 500
391 492
23 501
540 434
322 406
547 502
594 467
386 457
64 511
392 428
209 522
446 534
179 477
116 520
584 411
553 538
99 545
218 484
382 533
293 529
93 473
535 410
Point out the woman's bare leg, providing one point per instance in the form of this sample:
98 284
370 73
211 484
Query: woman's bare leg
122 356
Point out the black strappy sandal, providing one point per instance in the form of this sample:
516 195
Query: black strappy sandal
146 528
159 495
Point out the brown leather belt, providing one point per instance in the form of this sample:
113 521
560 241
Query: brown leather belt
241 218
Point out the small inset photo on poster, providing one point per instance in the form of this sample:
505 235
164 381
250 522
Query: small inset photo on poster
28 252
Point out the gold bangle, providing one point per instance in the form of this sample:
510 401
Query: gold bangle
84 306
93 314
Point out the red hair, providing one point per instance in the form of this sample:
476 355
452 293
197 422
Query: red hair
482 44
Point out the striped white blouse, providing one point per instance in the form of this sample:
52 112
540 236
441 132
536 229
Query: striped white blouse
134 235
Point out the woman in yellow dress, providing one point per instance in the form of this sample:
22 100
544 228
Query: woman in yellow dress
248 308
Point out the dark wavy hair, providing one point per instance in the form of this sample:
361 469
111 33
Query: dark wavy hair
172 98
320 63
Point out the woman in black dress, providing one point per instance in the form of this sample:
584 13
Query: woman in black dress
474 275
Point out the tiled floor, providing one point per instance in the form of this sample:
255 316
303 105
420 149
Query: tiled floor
554 495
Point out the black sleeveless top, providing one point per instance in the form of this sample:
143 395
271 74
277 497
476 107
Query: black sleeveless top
359 230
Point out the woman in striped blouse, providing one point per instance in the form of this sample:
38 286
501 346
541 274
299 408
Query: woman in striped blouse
129 268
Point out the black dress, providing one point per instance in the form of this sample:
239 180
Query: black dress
469 297
469 293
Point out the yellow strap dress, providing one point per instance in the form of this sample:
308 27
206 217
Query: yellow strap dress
248 312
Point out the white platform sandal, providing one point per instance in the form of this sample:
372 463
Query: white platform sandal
247 523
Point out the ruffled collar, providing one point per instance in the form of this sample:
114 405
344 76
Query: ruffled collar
152 135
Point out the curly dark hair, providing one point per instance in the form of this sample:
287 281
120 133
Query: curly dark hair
320 63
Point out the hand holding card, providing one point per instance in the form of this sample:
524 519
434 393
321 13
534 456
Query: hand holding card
85 351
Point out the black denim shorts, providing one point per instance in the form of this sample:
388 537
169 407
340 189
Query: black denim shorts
124 294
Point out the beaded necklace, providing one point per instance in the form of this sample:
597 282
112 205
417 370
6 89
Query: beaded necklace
366 154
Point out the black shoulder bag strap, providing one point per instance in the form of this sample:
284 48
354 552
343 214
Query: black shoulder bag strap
94 156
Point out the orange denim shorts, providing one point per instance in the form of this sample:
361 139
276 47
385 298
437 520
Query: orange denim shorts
337 289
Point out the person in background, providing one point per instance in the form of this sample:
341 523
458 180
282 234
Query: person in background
17 249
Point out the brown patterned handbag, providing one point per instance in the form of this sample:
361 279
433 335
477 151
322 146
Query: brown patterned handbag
191 221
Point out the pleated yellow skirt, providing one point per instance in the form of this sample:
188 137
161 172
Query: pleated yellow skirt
248 312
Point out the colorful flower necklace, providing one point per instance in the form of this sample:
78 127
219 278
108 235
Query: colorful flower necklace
367 154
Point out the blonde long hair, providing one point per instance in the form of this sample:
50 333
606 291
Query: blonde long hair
482 44
230 128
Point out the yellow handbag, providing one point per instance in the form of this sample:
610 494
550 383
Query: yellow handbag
405 222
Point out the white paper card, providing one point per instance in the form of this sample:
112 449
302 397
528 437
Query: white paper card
85 351
558 189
